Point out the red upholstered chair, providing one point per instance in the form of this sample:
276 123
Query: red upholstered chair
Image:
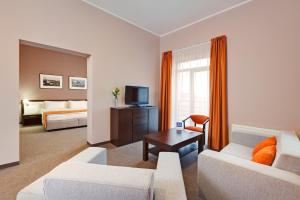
197 119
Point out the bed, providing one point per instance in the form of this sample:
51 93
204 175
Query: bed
56 115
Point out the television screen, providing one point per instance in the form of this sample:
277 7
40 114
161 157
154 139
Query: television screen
136 95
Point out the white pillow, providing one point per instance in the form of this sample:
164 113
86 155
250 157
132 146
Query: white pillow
78 104
32 108
50 105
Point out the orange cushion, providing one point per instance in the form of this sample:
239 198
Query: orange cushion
194 128
266 155
267 142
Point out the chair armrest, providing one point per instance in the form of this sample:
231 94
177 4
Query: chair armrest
205 122
222 176
185 121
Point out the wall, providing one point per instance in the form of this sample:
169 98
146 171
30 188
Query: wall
120 54
35 61
263 60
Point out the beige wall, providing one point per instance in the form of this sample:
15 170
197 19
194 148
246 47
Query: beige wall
120 54
35 61
263 60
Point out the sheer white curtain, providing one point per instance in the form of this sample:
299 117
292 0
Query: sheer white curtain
190 84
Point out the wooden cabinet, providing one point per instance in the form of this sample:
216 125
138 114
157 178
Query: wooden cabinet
130 124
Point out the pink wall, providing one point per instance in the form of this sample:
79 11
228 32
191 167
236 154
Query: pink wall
121 54
35 61
263 60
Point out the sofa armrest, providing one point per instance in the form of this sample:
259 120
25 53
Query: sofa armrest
93 155
222 176
168 180
250 136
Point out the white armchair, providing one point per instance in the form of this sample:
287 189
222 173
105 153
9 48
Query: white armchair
86 176
230 174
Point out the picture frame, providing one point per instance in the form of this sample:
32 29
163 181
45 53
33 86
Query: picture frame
77 83
49 81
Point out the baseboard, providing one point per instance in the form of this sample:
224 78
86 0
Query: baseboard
9 165
97 144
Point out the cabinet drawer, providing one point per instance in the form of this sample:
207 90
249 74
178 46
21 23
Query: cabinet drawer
140 117
139 124
125 127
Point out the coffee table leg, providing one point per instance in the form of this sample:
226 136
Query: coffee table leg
145 150
200 144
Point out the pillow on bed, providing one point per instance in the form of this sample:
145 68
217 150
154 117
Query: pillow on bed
33 108
78 105
50 105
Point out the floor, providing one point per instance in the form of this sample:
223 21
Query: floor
41 151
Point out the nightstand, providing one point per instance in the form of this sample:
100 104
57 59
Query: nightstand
32 119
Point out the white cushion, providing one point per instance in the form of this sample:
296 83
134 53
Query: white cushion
33 108
78 104
238 150
78 181
50 105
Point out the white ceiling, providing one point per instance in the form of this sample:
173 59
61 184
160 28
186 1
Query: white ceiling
161 17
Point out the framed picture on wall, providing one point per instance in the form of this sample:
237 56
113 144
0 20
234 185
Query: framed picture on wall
51 81
77 83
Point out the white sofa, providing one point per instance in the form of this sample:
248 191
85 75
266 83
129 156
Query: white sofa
230 174
87 177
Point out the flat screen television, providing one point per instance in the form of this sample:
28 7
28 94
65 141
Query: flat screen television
136 95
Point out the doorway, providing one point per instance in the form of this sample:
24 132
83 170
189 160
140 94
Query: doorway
53 102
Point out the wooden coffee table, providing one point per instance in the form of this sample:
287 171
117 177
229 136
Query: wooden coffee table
181 141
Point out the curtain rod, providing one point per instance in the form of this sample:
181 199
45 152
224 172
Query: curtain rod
184 48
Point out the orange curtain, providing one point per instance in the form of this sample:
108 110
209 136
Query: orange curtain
218 124
165 91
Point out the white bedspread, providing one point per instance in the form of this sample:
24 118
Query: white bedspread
67 116
52 117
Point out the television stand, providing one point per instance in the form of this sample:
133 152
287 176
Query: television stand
130 124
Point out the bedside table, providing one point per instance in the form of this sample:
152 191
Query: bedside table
32 119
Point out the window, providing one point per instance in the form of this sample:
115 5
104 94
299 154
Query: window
191 82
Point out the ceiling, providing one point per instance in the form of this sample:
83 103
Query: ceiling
162 17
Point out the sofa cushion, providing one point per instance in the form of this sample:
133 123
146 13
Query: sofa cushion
238 150
265 156
266 142
77 181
